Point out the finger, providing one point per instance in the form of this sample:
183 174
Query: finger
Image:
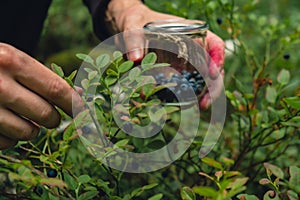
134 44
15 128
6 143
42 81
31 106
215 88
216 49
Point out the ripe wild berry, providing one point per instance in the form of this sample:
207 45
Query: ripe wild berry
219 20
127 127
286 56
51 173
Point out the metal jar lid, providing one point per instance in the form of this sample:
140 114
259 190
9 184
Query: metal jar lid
178 27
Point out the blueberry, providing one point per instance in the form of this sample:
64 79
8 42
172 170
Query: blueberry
184 86
86 129
286 56
192 81
194 74
219 20
38 190
198 77
160 76
89 97
127 127
195 88
51 173
184 82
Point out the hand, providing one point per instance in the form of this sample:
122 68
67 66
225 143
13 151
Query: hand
128 15
28 93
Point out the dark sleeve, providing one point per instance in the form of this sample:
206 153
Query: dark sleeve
22 23
97 10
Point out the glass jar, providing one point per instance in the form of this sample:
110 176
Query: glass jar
181 43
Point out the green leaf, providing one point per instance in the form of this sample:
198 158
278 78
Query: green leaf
109 80
148 89
230 95
150 58
206 175
292 195
85 58
72 75
69 82
271 195
294 180
212 162
171 109
54 182
283 77
102 61
156 197
71 182
134 73
118 56
205 191
122 143
150 186
187 193
69 132
239 84
125 66
138 191
146 67
157 115
238 183
88 70
271 94
156 144
92 75
88 195
85 84
111 72
82 119
247 197
293 102
84 178
274 170
57 69
264 181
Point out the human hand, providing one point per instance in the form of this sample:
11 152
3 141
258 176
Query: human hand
28 93
129 15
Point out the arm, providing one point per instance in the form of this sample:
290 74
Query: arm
122 15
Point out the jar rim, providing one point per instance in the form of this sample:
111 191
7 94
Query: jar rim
177 26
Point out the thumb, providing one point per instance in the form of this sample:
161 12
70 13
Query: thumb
134 43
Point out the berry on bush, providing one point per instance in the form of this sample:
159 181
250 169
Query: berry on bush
127 127
86 130
38 190
51 173
286 56
219 20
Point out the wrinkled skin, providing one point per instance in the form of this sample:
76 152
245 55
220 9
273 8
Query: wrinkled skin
127 15
30 92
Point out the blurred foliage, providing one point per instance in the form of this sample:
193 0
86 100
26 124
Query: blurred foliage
67 30
256 156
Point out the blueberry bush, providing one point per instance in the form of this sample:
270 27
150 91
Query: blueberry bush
256 156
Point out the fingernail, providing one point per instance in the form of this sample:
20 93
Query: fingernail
135 55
